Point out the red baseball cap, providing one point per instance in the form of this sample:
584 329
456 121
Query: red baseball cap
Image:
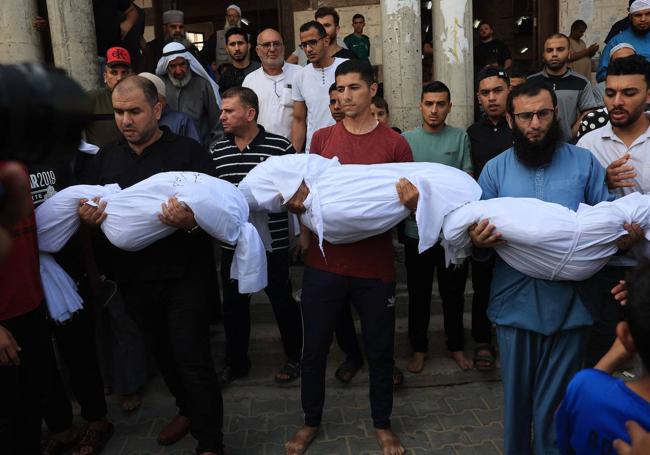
117 56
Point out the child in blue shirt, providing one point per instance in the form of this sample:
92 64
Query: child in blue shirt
597 405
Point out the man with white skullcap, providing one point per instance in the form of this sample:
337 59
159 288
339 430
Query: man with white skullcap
189 88
214 49
178 122
637 36
173 30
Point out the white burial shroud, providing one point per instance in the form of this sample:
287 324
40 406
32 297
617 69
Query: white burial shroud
351 202
132 218
546 240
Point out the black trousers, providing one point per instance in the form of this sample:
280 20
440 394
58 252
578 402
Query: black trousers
324 294
607 312
75 340
237 316
24 388
451 286
482 272
174 318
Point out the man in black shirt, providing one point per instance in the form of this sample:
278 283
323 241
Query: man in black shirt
164 284
490 49
245 145
489 136
238 47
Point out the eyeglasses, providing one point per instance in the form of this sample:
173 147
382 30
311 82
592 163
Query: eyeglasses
266 46
542 114
310 43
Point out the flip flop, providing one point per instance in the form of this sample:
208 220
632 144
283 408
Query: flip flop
347 370
288 373
482 361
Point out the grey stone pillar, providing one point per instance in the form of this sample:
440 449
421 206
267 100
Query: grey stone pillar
402 60
72 28
19 41
453 61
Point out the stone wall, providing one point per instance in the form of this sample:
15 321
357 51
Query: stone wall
599 15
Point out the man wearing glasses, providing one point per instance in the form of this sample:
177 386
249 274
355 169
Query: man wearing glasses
541 325
272 83
311 84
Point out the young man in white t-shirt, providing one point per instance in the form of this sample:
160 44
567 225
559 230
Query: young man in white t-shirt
623 147
272 83
311 85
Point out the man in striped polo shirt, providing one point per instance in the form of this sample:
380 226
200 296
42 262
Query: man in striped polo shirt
245 145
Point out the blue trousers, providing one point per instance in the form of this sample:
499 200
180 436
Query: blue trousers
324 296
536 370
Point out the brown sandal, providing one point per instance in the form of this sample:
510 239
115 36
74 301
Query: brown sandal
94 438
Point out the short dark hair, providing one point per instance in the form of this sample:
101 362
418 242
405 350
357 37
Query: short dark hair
380 103
491 71
313 24
332 88
362 67
236 31
436 87
246 96
633 64
529 88
558 35
327 11
516 72
637 310
485 23
578 23
148 89
358 16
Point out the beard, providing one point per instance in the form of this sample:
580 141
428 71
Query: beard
538 153
227 25
632 116
639 32
180 83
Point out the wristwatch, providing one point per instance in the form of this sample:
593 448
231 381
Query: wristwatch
192 230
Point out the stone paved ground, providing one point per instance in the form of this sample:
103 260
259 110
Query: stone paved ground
441 411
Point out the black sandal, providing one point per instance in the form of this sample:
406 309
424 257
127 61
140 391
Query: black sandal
398 377
347 370
484 362
288 373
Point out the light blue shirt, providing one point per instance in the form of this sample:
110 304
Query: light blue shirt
641 45
517 300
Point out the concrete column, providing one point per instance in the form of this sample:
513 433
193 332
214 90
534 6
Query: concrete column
19 41
72 28
453 56
402 60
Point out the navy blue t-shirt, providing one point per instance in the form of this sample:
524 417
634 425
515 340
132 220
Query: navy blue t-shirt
594 411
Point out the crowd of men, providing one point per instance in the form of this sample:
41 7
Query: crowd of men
551 135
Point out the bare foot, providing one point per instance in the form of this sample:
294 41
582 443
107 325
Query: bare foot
299 442
462 361
130 402
388 442
416 362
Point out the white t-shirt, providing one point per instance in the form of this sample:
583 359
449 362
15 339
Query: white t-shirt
274 95
312 85
607 147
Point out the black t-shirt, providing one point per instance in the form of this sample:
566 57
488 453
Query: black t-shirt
487 141
174 256
485 53
234 77
346 53
108 15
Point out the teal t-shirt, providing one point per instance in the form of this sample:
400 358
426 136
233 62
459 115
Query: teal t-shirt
450 146
360 45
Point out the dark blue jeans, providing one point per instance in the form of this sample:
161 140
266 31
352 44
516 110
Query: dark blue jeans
324 295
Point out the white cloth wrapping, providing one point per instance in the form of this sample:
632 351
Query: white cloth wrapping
348 203
546 240
174 50
57 219
60 290
132 218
